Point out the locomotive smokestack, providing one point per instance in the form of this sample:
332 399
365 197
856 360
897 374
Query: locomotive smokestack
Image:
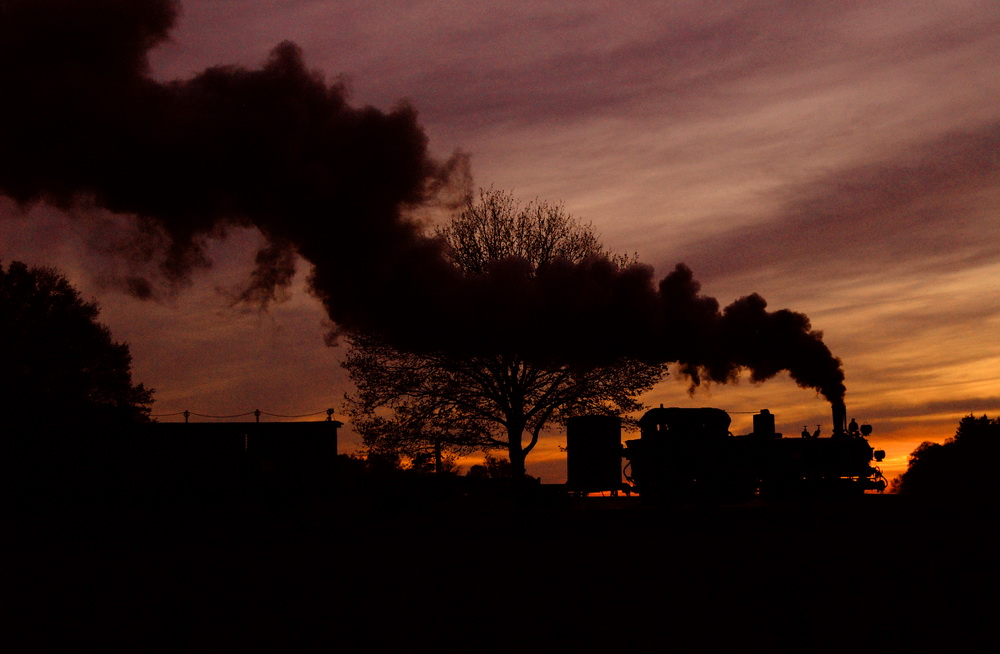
839 418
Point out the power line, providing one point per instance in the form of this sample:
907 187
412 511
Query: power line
205 415
303 415
257 413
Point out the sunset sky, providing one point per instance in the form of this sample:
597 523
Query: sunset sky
841 159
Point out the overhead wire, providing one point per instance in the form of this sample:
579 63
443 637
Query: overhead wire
235 415
256 412
301 415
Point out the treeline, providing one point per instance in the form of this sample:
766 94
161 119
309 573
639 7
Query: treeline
386 475
962 469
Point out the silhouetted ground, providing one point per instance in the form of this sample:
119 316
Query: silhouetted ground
489 573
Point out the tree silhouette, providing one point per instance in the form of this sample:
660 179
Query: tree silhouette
962 468
415 402
58 365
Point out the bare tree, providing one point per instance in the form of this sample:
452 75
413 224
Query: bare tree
415 402
496 227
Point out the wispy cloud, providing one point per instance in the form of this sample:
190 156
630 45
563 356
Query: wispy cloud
932 206
840 158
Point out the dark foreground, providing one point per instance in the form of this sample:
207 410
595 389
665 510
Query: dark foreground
491 573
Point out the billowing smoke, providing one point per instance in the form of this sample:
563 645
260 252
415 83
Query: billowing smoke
279 149
745 335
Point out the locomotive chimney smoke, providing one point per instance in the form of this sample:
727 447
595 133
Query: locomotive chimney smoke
280 150
715 345
275 148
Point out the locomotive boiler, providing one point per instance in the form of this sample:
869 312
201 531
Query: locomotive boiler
685 453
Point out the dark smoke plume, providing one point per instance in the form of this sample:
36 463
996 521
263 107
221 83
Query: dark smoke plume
281 150
714 345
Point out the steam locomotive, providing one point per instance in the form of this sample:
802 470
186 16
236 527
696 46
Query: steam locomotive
690 454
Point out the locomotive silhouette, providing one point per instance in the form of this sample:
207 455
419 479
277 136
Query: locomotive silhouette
690 454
